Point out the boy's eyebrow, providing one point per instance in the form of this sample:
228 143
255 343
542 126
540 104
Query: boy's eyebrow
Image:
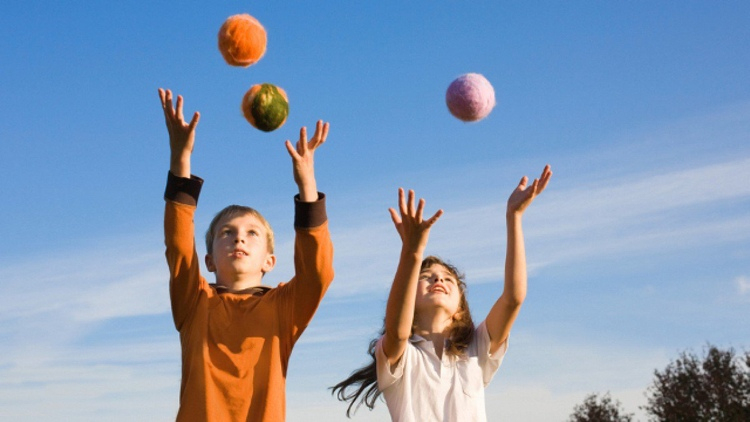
251 225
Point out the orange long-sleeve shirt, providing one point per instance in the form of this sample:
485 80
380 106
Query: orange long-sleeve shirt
236 347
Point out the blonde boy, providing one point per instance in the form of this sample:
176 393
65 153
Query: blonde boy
237 335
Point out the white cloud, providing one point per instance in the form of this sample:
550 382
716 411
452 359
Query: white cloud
743 285
121 380
638 213
88 284
539 404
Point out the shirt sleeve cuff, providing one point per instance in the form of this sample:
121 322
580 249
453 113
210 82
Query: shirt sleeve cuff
183 190
387 374
310 214
484 342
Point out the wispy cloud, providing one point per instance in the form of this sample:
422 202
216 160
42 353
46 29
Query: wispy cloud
743 285
46 353
88 285
90 383
637 213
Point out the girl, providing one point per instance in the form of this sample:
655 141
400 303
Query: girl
431 363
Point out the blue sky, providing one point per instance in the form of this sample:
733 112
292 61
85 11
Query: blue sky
638 250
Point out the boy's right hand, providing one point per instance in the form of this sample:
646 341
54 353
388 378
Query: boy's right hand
181 134
412 227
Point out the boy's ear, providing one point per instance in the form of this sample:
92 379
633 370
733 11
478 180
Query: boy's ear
210 263
269 263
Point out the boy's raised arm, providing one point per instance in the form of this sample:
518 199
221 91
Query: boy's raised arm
399 312
182 195
181 134
303 163
313 251
504 312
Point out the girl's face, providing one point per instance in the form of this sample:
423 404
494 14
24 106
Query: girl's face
437 286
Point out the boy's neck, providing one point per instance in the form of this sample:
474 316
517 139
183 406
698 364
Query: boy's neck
239 284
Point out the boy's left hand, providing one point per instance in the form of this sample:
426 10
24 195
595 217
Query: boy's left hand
522 196
303 160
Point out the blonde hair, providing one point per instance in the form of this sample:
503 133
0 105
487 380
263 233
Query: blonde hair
235 211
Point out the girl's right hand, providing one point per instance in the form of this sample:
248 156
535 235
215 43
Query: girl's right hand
410 224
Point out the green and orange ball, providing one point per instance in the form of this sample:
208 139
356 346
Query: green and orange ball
265 106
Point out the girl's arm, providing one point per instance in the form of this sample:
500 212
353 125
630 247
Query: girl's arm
399 312
505 310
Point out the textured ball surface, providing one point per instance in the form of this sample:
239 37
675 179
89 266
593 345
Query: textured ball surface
470 97
265 106
242 40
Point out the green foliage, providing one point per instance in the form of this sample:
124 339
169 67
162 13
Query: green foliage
599 409
713 388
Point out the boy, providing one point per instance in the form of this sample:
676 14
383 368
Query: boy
237 335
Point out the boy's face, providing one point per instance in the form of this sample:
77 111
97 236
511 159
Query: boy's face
438 287
240 249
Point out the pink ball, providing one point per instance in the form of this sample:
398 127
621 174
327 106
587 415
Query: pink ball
470 97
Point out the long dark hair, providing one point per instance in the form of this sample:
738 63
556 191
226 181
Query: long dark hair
362 385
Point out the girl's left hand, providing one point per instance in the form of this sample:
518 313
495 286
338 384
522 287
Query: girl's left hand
522 196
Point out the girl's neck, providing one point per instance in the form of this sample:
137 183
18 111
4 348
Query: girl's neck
433 327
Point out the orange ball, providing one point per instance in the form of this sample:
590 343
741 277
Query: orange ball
242 40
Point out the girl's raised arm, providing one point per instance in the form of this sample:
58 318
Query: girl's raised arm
399 312
504 312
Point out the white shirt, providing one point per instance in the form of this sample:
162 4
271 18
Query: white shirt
422 387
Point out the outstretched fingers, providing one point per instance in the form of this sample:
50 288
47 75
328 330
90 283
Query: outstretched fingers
291 150
174 113
410 207
524 193
402 202
180 117
420 210
432 220
410 203
303 145
296 151
194 121
165 96
409 220
395 216
302 142
321 133
522 183
544 179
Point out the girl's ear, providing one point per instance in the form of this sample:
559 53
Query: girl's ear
458 315
210 263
